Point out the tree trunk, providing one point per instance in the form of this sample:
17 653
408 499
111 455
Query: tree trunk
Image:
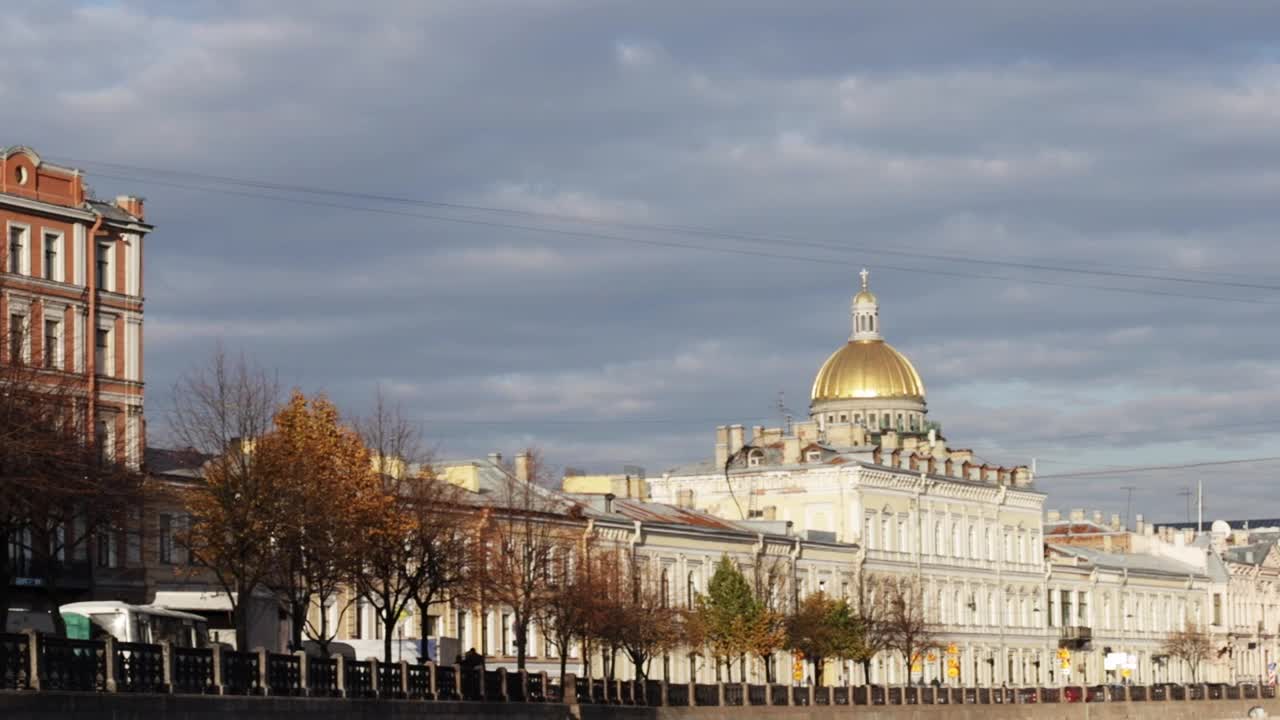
817 672
241 617
522 639
388 629
564 663
866 671
298 612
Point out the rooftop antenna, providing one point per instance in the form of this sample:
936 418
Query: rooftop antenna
1128 505
786 413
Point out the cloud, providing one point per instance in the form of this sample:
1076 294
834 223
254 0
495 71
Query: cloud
743 166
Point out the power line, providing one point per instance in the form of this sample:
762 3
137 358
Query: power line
669 228
582 234
1156 468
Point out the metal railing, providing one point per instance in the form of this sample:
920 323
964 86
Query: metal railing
31 662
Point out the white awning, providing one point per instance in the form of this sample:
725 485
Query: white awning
197 600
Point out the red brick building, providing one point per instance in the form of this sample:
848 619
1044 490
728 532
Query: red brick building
71 292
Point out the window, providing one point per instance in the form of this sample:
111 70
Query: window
813 456
1217 608
1067 617
1084 608
884 420
361 606
103 267
462 627
52 344
755 457
991 545
133 538
886 532
844 417
973 542
915 423
164 538
108 548
870 524
666 589
1053 617
105 439
507 645
52 253
103 356
17 338
17 250
938 539
957 545
903 543
901 427
691 589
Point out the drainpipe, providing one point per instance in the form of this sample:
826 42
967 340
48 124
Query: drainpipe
91 327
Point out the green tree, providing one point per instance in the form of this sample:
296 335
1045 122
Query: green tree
729 611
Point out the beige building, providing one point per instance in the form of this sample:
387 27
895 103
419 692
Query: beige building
868 468
682 546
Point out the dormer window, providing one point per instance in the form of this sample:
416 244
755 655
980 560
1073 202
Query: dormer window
813 456
755 457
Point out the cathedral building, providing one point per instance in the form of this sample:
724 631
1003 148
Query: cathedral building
868 467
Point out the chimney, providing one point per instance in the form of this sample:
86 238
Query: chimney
1052 516
608 500
1139 527
757 433
495 458
1097 518
130 204
722 446
522 466
1077 515
684 498
736 440
1115 521
1021 476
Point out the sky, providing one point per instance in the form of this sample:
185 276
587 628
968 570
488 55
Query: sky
604 228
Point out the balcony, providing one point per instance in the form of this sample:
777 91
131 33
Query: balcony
1075 635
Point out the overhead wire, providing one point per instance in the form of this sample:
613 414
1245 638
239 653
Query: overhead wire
583 234
669 228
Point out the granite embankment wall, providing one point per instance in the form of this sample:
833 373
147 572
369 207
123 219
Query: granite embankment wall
1202 710
103 706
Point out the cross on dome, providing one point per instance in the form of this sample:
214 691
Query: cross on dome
864 275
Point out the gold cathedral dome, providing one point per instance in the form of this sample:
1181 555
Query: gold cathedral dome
867 369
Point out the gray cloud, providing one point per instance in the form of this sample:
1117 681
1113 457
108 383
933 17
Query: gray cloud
1090 135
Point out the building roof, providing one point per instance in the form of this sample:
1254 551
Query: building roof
185 462
1131 562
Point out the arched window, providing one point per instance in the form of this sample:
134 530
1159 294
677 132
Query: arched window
691 588
755 457
901 427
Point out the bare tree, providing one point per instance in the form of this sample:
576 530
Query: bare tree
58 489
525 527
417 550
902 623
221 410
1192 645
572 600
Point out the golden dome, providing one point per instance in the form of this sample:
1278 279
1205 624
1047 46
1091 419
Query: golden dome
867 369
864 296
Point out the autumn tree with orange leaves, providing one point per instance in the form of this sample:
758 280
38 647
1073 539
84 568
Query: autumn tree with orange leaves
331 493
